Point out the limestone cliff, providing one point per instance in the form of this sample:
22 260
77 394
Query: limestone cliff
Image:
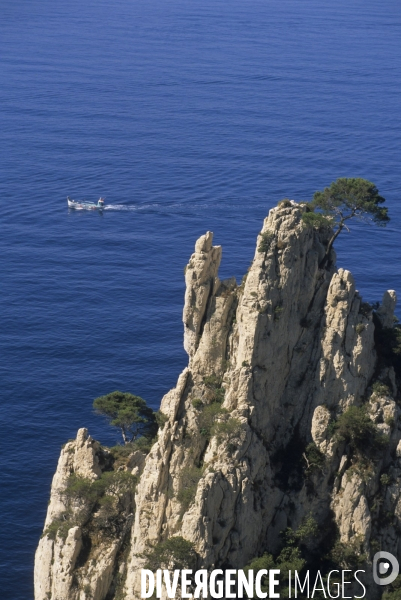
274 363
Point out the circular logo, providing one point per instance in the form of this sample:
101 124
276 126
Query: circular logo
385 568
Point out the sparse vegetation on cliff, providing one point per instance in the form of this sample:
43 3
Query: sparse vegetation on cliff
214 389
256 467
266 241
188 483
87 495
173 553
207 418
290 557
355 427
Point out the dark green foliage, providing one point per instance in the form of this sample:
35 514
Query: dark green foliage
161 419
360 328
214 388
284 203
120 453
289 559
351 197
304 534
390 421
356 429
385 479
208 423
348 556
59 527
189 479
103 493
127 412
266 241
88 491
317 220
83 497
144 444
291 556
226 429
207 418
278 311
197 403
174 553
380 389
117 482
307 530
315 459
108 511
81 489
345 199
363 467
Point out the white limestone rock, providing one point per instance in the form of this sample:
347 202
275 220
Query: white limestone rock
293 348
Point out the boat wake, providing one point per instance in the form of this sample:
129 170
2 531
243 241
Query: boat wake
158 207
121 207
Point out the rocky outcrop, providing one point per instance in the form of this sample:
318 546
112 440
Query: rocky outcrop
273 364
78 554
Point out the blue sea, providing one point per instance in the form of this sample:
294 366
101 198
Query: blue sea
187 116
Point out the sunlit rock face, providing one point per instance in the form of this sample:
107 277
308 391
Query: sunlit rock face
273 363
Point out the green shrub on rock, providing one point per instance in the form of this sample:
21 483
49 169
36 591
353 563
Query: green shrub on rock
214 388
188 484
59 527
207 418
385 479
356 429
227 429
161 419
197 403
89 492
266 242
314 458
380 389
173 553
348 556
284 203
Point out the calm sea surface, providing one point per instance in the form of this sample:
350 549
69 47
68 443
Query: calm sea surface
188 116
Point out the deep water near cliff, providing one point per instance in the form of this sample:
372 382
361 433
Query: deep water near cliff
196 117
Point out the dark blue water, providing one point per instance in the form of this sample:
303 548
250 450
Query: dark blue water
193 116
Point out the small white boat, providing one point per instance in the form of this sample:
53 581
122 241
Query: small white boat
86 205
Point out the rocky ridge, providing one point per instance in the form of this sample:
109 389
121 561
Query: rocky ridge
273 365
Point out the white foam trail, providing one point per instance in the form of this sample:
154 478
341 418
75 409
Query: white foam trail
155 205
120 207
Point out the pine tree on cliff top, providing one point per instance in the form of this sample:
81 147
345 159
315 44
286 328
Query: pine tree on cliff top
345 199
127 412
